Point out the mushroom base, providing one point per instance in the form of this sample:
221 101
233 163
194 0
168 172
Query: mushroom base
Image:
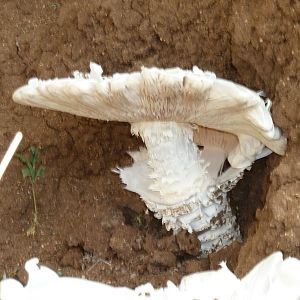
179 183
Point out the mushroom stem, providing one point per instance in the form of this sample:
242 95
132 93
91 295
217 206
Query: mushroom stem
177 181
177 170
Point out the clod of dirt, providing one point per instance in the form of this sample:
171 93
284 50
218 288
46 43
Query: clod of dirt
187 242
72 258
194 265
124 241
228 255
164 258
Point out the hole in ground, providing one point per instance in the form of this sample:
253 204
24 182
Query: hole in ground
249 195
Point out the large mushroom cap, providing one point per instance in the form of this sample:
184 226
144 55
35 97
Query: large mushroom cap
154 94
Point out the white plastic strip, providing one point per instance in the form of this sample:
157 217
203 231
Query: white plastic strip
10 152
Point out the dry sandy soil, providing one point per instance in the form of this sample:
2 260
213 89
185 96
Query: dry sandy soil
89 225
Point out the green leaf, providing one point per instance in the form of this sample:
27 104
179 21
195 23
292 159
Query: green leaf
23 159
26 172
26 162
40 171
34 155
31 169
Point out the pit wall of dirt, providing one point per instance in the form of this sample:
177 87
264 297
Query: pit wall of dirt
265 48
88 224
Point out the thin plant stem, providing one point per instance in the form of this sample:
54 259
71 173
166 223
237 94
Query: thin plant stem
34 199
32 229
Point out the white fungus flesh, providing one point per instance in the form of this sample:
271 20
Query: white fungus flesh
175 111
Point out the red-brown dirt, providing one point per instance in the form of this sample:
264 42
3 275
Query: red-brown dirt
88 224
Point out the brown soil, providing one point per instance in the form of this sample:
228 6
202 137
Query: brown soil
89 225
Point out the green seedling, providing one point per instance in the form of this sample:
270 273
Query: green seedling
32 171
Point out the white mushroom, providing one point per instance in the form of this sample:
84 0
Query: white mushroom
174 110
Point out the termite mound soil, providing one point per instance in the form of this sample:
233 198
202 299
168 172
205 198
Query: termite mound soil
88 224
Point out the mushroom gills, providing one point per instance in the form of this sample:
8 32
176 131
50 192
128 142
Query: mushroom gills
179 183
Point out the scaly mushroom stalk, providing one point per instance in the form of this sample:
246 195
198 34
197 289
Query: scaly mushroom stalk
175 111
176 181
